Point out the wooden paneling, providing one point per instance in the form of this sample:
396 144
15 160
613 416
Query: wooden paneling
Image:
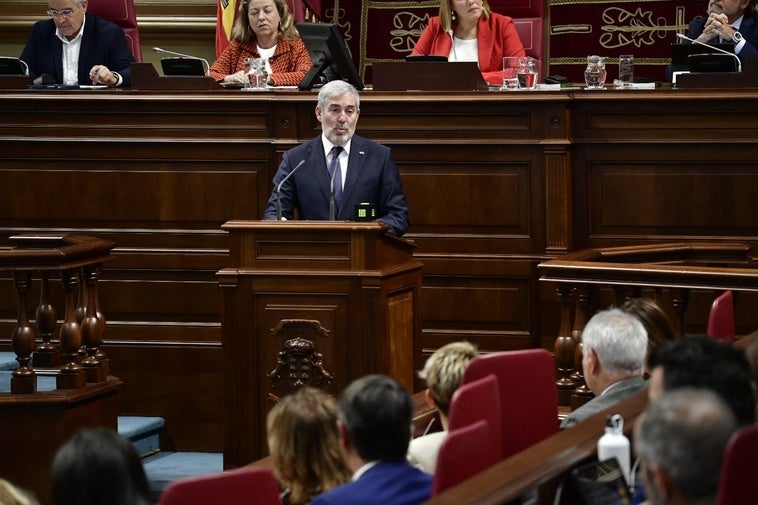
496 183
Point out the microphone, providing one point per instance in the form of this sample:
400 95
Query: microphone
159 50
279 189
717 49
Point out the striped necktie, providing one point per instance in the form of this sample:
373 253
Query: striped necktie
336 177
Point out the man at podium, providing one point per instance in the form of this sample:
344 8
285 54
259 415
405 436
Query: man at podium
339 175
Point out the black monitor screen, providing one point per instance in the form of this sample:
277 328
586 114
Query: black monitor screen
183 66
329 54
12 66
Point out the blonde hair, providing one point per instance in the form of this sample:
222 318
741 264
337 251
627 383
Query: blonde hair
241 31
446 13
443 371
303 442
11 495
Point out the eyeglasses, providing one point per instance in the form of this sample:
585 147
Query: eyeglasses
63 13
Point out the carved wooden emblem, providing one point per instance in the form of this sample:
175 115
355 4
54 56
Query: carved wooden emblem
299 364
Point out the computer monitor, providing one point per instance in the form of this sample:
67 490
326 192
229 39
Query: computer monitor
329 54
183 66
12 66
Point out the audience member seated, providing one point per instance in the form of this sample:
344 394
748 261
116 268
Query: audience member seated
467 30
11 495
680 443
702 362
264 29
374 423
97 466
75 47
657 324
442 372
615 344
729 21
302 441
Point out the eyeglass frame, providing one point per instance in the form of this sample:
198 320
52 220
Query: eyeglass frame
63 13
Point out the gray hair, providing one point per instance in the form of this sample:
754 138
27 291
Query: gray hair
685 433
333 89
619 340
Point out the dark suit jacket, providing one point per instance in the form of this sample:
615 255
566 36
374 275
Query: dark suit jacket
618 392
103 43
748 29
388 483
372 177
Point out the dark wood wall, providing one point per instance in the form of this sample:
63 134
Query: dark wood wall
496 183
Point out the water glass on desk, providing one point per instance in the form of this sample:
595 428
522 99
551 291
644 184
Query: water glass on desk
257 76
527 73
510 72
626 71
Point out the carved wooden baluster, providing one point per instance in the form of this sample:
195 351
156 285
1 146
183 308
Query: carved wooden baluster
582 392
103 358
679 300
92 329
81 310
47 353
71 375
564 348
23 379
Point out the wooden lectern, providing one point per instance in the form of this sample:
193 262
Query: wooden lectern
316 303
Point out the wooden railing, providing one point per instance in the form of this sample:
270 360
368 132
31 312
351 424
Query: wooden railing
675 268
77 260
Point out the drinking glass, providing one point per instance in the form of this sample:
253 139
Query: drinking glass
510 72
527 73
626 71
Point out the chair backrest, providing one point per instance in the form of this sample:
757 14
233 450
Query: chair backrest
122 13
528 395
478 400
528 15
464 453
738 482
721 318
249 486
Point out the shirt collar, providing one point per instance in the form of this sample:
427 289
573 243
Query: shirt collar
328 145
76 38
365 468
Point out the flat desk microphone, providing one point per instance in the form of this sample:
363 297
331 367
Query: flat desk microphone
717 49
159 50
279 189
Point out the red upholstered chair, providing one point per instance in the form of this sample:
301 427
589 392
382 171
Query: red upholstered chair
122 13
475 401
721 318
528 397
248 486
738 482
528 16
464 453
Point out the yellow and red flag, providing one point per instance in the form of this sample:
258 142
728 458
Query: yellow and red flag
226 12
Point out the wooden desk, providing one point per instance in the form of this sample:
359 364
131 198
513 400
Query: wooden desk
496 182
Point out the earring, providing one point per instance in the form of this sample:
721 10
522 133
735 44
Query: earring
452 16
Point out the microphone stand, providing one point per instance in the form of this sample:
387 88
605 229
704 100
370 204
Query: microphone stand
207 66
279 190
717 49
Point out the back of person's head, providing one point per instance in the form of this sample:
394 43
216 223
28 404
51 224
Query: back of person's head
702 362
12 495
377 413
659 327
619 340
443 371
97 466
334 89
303 442
684 435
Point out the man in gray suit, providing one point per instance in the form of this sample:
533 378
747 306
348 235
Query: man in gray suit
615 345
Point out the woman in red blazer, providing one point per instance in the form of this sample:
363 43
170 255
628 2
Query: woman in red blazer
466 30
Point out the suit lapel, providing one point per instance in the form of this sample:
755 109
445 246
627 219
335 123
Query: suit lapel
354 167
317 161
